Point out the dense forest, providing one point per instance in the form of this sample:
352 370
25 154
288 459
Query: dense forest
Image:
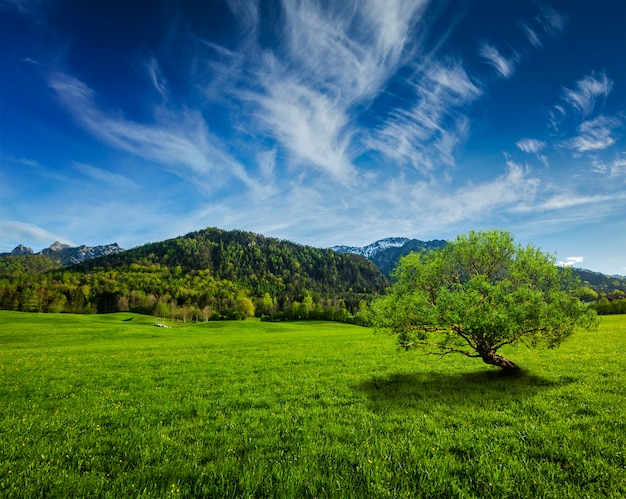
209 274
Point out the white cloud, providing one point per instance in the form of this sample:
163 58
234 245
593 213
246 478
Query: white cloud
503 66
570 261
247 15
330 61
177 139
552 21
556 115
427 133
26 233
435 206
156 77
349 48
308 124
594 135
615 168
532 35
531 146
588 90
105 176
569 200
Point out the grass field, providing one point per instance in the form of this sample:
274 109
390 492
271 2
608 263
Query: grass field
111 406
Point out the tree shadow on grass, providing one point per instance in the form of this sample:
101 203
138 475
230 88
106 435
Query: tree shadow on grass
480 389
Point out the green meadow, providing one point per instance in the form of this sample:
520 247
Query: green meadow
111 406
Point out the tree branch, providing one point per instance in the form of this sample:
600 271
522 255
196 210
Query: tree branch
446 350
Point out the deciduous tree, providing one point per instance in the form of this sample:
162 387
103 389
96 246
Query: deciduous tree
478 294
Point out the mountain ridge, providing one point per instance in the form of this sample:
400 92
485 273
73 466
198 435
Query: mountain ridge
67 255
386 253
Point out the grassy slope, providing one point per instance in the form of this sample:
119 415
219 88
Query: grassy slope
110 406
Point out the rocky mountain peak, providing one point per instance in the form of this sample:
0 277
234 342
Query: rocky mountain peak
66 254
387 252
21 250
57 246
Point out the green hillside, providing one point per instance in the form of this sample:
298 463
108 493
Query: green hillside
205 274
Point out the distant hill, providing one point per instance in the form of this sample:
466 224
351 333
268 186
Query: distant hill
212 273
65 254
250 259
601 283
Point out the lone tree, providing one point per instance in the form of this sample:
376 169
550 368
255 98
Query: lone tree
479 293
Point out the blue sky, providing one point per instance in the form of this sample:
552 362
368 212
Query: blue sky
323 123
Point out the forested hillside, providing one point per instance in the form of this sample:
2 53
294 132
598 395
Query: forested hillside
205 274
600 283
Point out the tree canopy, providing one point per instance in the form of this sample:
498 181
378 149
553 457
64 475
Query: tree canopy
478 294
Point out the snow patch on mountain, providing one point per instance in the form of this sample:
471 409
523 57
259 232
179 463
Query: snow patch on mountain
387 252
371 250
66 254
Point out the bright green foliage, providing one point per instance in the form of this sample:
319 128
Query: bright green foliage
605 307
479 293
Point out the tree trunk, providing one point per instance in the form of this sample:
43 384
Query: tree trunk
494 359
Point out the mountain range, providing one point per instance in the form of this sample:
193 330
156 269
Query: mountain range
66 254
384 253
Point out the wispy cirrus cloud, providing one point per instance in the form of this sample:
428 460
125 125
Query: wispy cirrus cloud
548 23
431 129
591 134
13 230
104 176
179 140
532 34
589 89
551 20
531 146
594 135
614 168
156 77
568 200
184 141
330 61
435 205
308 124
504 66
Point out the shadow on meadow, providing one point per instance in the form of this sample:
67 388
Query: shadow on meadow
480 389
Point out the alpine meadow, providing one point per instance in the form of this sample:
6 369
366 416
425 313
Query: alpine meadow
110 406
